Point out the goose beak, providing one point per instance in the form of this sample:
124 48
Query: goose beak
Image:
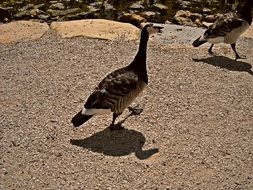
159 28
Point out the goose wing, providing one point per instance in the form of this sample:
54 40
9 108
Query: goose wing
113 87
223 26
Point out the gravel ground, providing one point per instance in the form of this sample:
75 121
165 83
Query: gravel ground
196 131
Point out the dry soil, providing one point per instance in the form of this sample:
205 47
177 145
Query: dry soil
196 130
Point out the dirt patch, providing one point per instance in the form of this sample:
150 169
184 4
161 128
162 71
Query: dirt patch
195 131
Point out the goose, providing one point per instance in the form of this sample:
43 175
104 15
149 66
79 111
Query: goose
119 88
228 29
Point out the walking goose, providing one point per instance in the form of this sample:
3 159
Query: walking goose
118 89
229 29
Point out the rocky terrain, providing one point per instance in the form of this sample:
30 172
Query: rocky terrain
132 11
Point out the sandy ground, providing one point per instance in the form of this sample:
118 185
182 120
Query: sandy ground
196 130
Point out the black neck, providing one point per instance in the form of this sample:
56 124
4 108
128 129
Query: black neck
139 62
245 11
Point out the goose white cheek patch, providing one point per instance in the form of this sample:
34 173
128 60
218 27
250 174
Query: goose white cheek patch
152 30
93 111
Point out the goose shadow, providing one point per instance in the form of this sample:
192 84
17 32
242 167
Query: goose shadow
227 63
116 143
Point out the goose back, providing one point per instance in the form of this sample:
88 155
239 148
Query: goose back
116 91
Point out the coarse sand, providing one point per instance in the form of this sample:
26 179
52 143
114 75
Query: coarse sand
195 133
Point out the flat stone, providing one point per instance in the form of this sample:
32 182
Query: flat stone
197 1
43 16
160 7
136 6
56 13
249 32
53 2
206 10
178 36
96 28
22 14
39 6
210 18
134 19
59 6
148 14
27 7
92 9
22 31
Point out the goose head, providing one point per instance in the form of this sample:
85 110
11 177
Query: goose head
151 29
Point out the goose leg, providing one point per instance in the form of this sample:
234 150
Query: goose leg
135 110
114 126
210 50
236 54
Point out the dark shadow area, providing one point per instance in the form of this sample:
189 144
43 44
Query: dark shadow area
116 143
227 63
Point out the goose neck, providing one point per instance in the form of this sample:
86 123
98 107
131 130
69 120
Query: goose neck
245 11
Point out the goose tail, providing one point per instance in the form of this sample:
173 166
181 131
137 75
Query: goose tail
80 119
198 42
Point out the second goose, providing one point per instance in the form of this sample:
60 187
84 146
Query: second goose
229 29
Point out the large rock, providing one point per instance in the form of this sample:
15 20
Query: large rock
132 18
188 18
96 28
22 31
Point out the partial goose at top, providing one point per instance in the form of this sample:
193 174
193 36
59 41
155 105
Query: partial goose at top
119 88
228 29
